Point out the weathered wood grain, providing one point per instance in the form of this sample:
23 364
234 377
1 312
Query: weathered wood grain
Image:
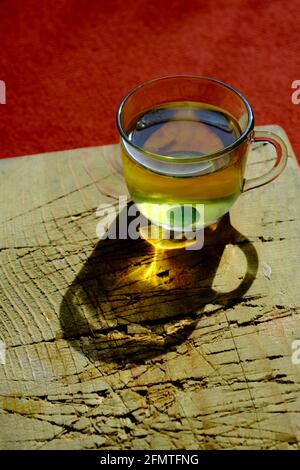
112 344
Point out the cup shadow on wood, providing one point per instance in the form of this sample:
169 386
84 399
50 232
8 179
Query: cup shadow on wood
131 302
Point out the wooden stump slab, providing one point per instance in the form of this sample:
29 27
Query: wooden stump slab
115 345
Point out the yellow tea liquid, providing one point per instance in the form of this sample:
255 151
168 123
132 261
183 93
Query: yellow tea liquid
179 130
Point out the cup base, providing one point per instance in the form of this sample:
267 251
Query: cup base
163 239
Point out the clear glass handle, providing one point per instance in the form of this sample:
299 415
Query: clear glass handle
281 161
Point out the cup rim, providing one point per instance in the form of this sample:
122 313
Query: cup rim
208 156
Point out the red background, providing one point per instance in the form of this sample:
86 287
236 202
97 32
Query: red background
68 63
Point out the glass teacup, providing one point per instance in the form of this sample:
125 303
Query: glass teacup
184 142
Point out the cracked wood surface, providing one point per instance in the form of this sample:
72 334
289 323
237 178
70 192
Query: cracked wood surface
114 345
